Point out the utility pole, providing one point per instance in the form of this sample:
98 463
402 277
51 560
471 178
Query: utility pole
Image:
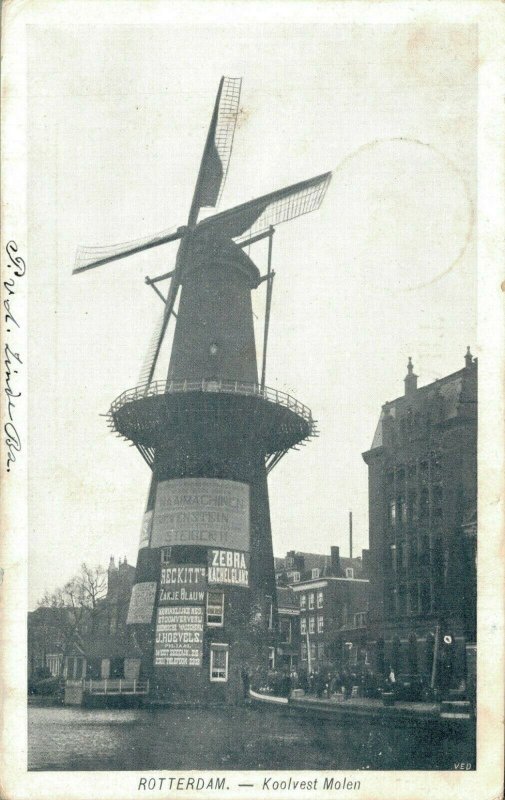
350 534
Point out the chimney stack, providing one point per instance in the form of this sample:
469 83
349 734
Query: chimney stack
365 563
335 560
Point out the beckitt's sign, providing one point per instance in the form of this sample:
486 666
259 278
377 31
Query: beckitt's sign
179 637
201 511
230 567
183 584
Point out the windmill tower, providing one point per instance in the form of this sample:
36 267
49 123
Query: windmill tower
203 608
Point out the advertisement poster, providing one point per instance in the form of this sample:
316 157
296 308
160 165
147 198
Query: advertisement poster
201 511
183 584
179 637
141 606
230 567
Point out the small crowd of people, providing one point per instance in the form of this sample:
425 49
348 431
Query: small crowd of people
329 682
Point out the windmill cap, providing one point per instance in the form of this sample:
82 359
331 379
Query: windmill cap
210 249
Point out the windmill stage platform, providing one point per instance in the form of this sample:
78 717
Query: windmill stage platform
155 415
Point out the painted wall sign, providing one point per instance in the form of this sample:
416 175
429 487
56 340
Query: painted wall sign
179 637
185 583
201 511
140 610
145 532
230 567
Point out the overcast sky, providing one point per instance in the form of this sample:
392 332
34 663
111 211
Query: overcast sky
117 119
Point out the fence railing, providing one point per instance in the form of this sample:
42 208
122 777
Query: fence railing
115 686
156 388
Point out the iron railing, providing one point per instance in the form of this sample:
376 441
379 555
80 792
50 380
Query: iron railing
157 388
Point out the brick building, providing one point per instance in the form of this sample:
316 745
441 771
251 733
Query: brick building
332 595
422 468
83 641
287 653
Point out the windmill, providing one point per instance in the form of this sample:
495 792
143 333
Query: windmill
210 431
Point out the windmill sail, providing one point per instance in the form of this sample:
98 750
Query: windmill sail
90 257
218 147
257 215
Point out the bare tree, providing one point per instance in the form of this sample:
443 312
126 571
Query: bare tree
77 607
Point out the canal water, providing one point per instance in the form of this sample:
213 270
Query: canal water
62 738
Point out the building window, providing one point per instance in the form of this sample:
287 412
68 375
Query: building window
215 609
402 597
53 663
349 572
320 652
304 651
396 655
269 611
313 652
437 501
285 630
413 600
392 512
436 464
425 599
390 600
320 622
296 577
166 554
402 508
319 599
271 658
219 663
311 600
424 503
315 573
312 625
303 625
303 601
412 654
412 506
360 620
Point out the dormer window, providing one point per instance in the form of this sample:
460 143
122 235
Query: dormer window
296 577
315 572
349 572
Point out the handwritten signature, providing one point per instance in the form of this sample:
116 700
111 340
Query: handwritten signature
12 360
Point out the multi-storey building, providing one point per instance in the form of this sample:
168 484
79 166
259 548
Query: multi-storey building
287 652
422 469
333 605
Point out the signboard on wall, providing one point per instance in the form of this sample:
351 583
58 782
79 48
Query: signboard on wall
145 532
185 583
201 511
179 636
140 610
230 567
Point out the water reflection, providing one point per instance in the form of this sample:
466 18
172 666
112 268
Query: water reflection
237 738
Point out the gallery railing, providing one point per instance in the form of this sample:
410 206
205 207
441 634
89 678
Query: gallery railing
156 388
